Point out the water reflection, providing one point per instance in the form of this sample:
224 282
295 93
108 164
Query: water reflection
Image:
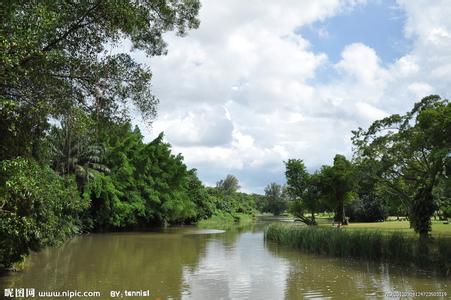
105 262
191 263
242 270
322 277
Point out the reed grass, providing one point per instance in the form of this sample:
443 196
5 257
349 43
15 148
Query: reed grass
396 247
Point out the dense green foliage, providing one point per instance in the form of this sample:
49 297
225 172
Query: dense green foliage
338 184
37 208
275 199
229 185
373 245
297 187
224 206
412 151
370 203
57 54
147 184
366 210
225 198
328 189
227 221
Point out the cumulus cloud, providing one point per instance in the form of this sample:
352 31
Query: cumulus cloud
242 93
363 64
205 125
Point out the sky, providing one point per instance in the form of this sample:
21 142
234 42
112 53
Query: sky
263 81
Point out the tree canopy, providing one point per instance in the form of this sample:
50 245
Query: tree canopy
302 188
56 55
275 200
412 150
228 185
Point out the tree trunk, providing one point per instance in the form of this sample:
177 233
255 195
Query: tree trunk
421 212
343 214
305 220
340 211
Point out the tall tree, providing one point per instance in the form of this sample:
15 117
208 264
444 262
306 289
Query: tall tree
313 196
371 200
74 149
338 183
413 150
300 190
59 54
23 130
199 196
275 199
228 185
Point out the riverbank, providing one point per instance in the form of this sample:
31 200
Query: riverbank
222 220
395 247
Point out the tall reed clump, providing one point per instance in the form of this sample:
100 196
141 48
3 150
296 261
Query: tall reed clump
366 244
444 256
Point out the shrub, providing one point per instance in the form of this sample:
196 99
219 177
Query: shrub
37 208
224 220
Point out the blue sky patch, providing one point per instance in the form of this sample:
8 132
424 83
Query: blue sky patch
377 24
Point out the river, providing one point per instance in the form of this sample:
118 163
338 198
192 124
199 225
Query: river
192 263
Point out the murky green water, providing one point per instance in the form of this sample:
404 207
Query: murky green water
191 263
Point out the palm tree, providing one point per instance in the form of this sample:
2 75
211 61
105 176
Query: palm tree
73 151
229 185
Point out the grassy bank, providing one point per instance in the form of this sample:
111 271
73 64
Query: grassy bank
222 220
438 228
395 247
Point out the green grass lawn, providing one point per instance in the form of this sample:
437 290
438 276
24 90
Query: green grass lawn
438 228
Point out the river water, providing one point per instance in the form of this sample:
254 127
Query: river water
192 263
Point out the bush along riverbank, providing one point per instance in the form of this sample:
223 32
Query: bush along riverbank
222 220
393 247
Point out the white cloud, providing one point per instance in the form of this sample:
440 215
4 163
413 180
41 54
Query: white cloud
363 64
241 94
369 112
203 125
420 89
406 66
